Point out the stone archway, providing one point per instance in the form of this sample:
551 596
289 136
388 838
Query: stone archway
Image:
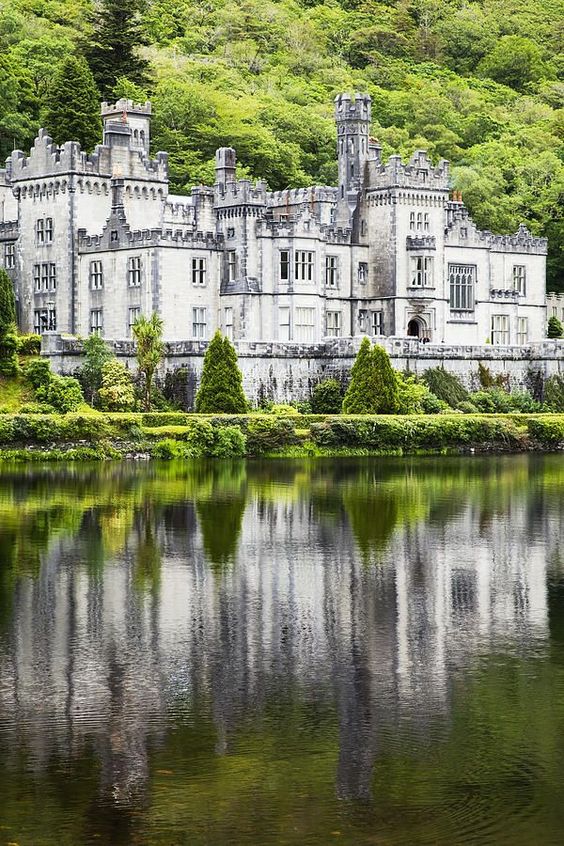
415 328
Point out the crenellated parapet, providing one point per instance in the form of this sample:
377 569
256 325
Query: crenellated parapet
298 196
240 193
419 173
461 231
125 239
9 230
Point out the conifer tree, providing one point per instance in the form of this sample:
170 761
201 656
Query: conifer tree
73 105
555 329
221 387
113 51
373 388
7 303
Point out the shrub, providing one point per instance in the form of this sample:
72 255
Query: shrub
169 449
487 379
221 386
555 328
117 392
36 408
446 386
327 397
547 431
492 401
38 373
523 402
90 375
411 394
269 434
468 407
373 388
201 437
9 364
164 418
29 344
433 405
284 410
63 393
229 442
7 303
554 393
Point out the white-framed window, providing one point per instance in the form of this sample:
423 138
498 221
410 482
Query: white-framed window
134 314
44 231
462 283
426 222
37 278
44 320
331 267
231 265
198 271
500 329
412 221
334 324
377 322
199 325
134 271
44 277
421 275
283 323
362 272
9 256
284 266
96 275
554 311
96 321
419 221
305 324
228 322
303 266
522 330
52 276
520 279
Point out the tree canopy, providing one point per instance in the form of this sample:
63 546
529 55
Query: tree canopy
73 105
479 83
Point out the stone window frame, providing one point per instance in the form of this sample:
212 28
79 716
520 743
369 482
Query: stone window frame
522 335
500 330
199 271
199 323
44 320
44 231
462 280
96 321
304 263
286 312
304 331
362 272
519 277
333 323
134 269
231 265
284 266
377 322
332 271
44 277
96 275
228 322
421 270
134 312
9 256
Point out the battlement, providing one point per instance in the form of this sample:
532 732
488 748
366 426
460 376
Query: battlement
347 109
419 172
297 196
461 230
240 192
9 230
125 106
48 159
141 238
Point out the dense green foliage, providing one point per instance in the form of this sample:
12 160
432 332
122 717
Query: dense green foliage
96 354
479 83
446 386
373 388
72 106
326 397
554 393
62 393
555 328
221 386
7 303
116 392
149 351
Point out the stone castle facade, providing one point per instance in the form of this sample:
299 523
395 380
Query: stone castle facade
93 241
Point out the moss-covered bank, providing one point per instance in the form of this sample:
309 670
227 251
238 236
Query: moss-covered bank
27 437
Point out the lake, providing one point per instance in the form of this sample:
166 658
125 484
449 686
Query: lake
365 651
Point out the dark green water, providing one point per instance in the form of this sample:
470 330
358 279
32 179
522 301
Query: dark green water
309 652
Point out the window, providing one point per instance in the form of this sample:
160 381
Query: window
44 277
377 322
419 221
522 330
230 232
520 279
305 324
331 271
500 329
284 323
231 265
284 265
198 271
96 276
303 266
96 323
462 280
412 221
9 256
333 324
44 231
114 236
134 271
228 322
362 272
134 314
199 323
426 222
421 272
44 320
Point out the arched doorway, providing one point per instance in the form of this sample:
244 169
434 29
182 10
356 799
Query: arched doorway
414 328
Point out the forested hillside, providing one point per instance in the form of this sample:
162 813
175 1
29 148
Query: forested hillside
479 83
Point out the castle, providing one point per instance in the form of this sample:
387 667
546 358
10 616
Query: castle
94 241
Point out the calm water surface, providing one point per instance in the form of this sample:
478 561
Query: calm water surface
309 652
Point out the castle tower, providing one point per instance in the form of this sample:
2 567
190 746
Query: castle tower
225 164
135 116
353 125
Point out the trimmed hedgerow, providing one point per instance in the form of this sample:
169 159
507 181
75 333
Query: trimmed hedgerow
546 431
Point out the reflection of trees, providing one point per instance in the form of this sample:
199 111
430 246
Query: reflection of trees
220 513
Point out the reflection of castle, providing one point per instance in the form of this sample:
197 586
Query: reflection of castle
94 658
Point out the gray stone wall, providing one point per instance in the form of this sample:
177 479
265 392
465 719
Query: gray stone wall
288 372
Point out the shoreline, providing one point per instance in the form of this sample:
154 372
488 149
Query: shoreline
99 436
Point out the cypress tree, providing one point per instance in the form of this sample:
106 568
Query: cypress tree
73 105
555 329
7 303
373 388
113 51
221 386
